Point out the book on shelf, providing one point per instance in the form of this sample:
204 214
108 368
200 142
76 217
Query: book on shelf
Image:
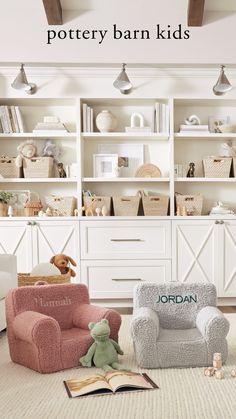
110 383
50 125
161 118
88 123
11 120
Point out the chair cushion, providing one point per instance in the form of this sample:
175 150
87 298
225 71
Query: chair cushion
5 283
178 335
75 343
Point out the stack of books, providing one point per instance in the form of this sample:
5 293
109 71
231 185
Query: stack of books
161 118
50 125
11 120
193 129
87 118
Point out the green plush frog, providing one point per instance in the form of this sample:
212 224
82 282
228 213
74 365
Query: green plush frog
103 352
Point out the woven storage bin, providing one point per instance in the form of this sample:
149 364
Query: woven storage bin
38 167
217 166
190 202
126 205
26 279
155 205
97 202
8 169
61 205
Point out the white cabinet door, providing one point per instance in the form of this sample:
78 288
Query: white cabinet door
195 251
227 259
15 239
116 279
126 239
53 237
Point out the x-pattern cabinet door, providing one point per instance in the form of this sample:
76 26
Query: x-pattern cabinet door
194 251
15 239
227 258
51 237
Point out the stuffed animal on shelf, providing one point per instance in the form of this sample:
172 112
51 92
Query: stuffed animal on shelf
51 150
26 150
62 261
103 352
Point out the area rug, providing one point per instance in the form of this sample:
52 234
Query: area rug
183 393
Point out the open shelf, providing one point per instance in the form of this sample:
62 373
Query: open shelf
38 180
211 135
125 135
205 179
126 179
36 135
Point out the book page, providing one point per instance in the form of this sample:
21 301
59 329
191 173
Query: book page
87 384
120 379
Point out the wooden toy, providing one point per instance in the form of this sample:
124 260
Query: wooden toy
219 374
98 211
217 361
209 372
184 211
178 211
89 212
104 211
233 373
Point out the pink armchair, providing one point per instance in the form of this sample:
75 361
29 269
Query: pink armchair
47 326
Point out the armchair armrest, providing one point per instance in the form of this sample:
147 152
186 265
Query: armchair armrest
37 328
145 322
212 323
86 313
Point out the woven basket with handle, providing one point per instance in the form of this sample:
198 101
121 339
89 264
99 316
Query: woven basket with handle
25 279
217 167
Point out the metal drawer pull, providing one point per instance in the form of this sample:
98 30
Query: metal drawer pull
126 240
126 279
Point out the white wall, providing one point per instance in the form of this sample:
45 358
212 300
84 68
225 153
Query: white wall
23 34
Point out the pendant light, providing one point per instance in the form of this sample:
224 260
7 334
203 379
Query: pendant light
222 85
21 82
123 83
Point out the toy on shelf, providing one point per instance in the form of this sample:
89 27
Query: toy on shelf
103 352
51 150
62 261
27 149
191 170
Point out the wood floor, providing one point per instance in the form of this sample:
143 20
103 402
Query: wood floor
228 309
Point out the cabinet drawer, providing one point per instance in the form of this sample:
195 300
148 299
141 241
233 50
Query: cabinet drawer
115 279
125 239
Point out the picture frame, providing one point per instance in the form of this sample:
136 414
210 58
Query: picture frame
214 122
130 156
105 165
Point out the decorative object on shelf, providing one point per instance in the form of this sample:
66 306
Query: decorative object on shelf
61 170
79 212
189 203
49 212
26 150
191 170
227 149
148 170
21 82
130 156
155 205
227 128
8 167
106 121
161 118
134 127
105 165
215 123
105 211
18 199
193 129
217 167
222 85
220 209
10 211
51 125
73 170
62 262
98 212
42 214
126 205
123 83
97 202
192 120
61 205
4 201
89 212
32 208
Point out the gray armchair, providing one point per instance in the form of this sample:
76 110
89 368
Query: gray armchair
177 325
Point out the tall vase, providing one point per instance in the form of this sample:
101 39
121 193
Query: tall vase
3 209
106 121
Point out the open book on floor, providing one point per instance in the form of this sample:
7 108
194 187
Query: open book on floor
111 382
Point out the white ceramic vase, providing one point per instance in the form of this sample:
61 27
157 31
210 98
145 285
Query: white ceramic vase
106 121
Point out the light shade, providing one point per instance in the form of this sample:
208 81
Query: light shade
21 82
123 82
222 85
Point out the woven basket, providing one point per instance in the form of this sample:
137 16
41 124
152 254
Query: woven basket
126 205
26 279
61 205
155 205
192 203
8 168
94 202
218 167
41 167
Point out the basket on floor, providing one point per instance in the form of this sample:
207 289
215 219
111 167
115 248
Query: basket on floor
25 279
217 167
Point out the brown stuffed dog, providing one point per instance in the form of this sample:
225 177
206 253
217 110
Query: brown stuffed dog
61 262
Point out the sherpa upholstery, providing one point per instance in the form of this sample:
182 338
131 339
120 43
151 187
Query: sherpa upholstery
8 280
47 326
177 325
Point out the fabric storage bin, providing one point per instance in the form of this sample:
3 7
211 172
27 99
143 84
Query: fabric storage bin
192 203
217 167
126 205
155 205
8 168
94 202
61 205
40 167
24 279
